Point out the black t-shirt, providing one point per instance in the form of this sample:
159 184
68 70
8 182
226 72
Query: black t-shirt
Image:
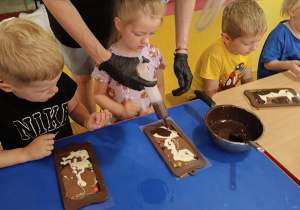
97 14
21 121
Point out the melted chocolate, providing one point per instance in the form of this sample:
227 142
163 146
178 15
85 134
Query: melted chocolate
228 120
231 130
161 132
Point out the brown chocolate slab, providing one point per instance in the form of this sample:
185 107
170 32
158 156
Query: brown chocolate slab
178 169
97 197
274 100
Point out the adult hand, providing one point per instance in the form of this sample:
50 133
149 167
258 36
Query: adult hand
123 70
183 73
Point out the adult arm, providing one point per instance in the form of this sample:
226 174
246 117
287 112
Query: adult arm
184 10
122 69
69 18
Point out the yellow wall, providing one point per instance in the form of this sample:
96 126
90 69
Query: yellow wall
165 39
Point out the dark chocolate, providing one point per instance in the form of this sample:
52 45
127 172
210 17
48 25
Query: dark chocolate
228 122
276 97
89 187
159 135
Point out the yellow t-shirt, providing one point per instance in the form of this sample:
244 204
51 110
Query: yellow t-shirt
217 63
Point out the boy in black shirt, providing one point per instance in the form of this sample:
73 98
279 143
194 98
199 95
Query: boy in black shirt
36 97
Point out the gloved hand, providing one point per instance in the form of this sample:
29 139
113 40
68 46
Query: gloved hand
183 74
123 70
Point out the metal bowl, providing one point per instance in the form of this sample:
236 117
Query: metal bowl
227 121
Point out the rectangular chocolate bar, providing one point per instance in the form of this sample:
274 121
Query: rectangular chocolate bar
276 97
174 147
79 176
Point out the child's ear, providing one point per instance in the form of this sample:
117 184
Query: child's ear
118 23
291 12
6 87
225 37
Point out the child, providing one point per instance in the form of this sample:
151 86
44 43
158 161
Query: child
136 22
36 96
281 50
228 60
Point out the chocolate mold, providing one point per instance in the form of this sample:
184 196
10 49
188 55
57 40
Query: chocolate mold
79 176
276 97
175 149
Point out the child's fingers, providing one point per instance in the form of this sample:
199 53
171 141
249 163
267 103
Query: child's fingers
49 147
49 136
98 118
107 114
50 142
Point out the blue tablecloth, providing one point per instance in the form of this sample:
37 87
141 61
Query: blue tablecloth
137 178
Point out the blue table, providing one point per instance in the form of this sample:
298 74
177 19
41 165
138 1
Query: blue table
137 178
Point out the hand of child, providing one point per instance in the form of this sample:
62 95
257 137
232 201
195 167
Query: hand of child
130 109
295 67
147 111
40 147
98 119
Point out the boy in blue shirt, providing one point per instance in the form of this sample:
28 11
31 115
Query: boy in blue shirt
281 50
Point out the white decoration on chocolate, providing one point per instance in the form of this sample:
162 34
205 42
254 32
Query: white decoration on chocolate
178 155
80 194
281 93
78 167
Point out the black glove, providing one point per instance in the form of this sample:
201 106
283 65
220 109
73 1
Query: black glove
183 74
123 70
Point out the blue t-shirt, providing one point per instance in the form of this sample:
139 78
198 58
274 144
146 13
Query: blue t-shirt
280 45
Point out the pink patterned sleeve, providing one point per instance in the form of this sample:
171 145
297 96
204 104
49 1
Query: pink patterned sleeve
160 62
102 76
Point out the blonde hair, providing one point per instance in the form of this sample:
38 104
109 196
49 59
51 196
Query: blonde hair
28 53
243 18
131 10
289 6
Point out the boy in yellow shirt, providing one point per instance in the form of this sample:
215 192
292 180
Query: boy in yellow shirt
228 60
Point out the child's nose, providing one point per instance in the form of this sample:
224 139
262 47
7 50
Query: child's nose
145 40
254 46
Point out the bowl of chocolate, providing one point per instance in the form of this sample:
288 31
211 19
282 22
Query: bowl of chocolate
232 128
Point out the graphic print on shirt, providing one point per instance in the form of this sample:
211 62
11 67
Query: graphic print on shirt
233 78
49 120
